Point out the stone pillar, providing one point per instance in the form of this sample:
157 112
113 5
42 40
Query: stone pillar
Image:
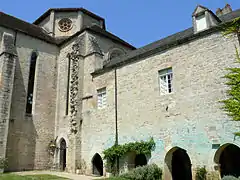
8 55
79 23
52 22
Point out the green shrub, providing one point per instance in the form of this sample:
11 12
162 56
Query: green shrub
3 163
229 178
201 173
148 172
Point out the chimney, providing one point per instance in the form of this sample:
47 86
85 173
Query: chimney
218 12
227 9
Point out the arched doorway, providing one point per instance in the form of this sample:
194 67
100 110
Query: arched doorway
228 158
179 164
140 160
97 164
63 153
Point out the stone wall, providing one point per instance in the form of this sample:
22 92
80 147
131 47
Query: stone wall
89 44
30 134
8 56
189 118
73 16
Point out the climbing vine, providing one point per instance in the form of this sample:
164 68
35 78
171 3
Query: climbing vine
116 151
232 103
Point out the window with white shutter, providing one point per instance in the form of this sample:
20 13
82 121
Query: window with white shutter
102 98
165 81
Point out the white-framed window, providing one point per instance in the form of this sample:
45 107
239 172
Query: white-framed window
165 81
201 22
101 98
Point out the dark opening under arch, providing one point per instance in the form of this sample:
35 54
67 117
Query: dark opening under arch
97 164
63 154
229 161
181 165
140 160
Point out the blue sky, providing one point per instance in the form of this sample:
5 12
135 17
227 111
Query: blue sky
138 22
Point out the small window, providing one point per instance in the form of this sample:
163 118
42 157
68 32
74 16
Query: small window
115 53
102 98
65 24
31 83
165 81
201 22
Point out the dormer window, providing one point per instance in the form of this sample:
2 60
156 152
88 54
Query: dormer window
204 19
201 22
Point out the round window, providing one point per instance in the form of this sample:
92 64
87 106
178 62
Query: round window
65 24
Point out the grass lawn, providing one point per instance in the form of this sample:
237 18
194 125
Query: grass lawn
113 178
29 177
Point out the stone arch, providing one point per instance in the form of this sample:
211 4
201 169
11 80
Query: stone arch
228 158
63 154
97 165
134 160
140 160
178 164
114 52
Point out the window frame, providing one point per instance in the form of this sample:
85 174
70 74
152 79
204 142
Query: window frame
102 103
168 74
31 83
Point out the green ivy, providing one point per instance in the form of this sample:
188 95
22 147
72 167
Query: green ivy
116 151
231 105
3 163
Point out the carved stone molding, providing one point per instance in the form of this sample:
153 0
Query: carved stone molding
80 49
74 56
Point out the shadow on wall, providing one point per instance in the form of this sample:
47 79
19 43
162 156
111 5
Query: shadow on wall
228 159
22 133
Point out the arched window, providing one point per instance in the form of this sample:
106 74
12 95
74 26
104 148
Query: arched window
115 53
31 82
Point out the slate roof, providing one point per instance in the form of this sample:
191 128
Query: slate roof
165 43
47 13
33 30
25 27
97 30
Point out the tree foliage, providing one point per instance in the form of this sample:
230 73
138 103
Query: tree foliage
232 103
232 27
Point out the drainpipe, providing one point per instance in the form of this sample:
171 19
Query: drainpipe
116 117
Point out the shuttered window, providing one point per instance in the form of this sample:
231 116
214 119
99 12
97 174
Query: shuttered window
101 98
165 81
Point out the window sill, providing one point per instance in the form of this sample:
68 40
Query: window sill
168 94
28 115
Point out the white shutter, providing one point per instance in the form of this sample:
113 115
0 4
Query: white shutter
163 85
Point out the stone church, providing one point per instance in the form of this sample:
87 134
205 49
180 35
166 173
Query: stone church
70 89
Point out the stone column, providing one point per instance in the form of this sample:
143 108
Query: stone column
8 55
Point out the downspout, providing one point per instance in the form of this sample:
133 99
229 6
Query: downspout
116 115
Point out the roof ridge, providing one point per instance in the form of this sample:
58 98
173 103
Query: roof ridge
46 13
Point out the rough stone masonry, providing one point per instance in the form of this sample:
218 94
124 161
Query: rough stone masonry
68 87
